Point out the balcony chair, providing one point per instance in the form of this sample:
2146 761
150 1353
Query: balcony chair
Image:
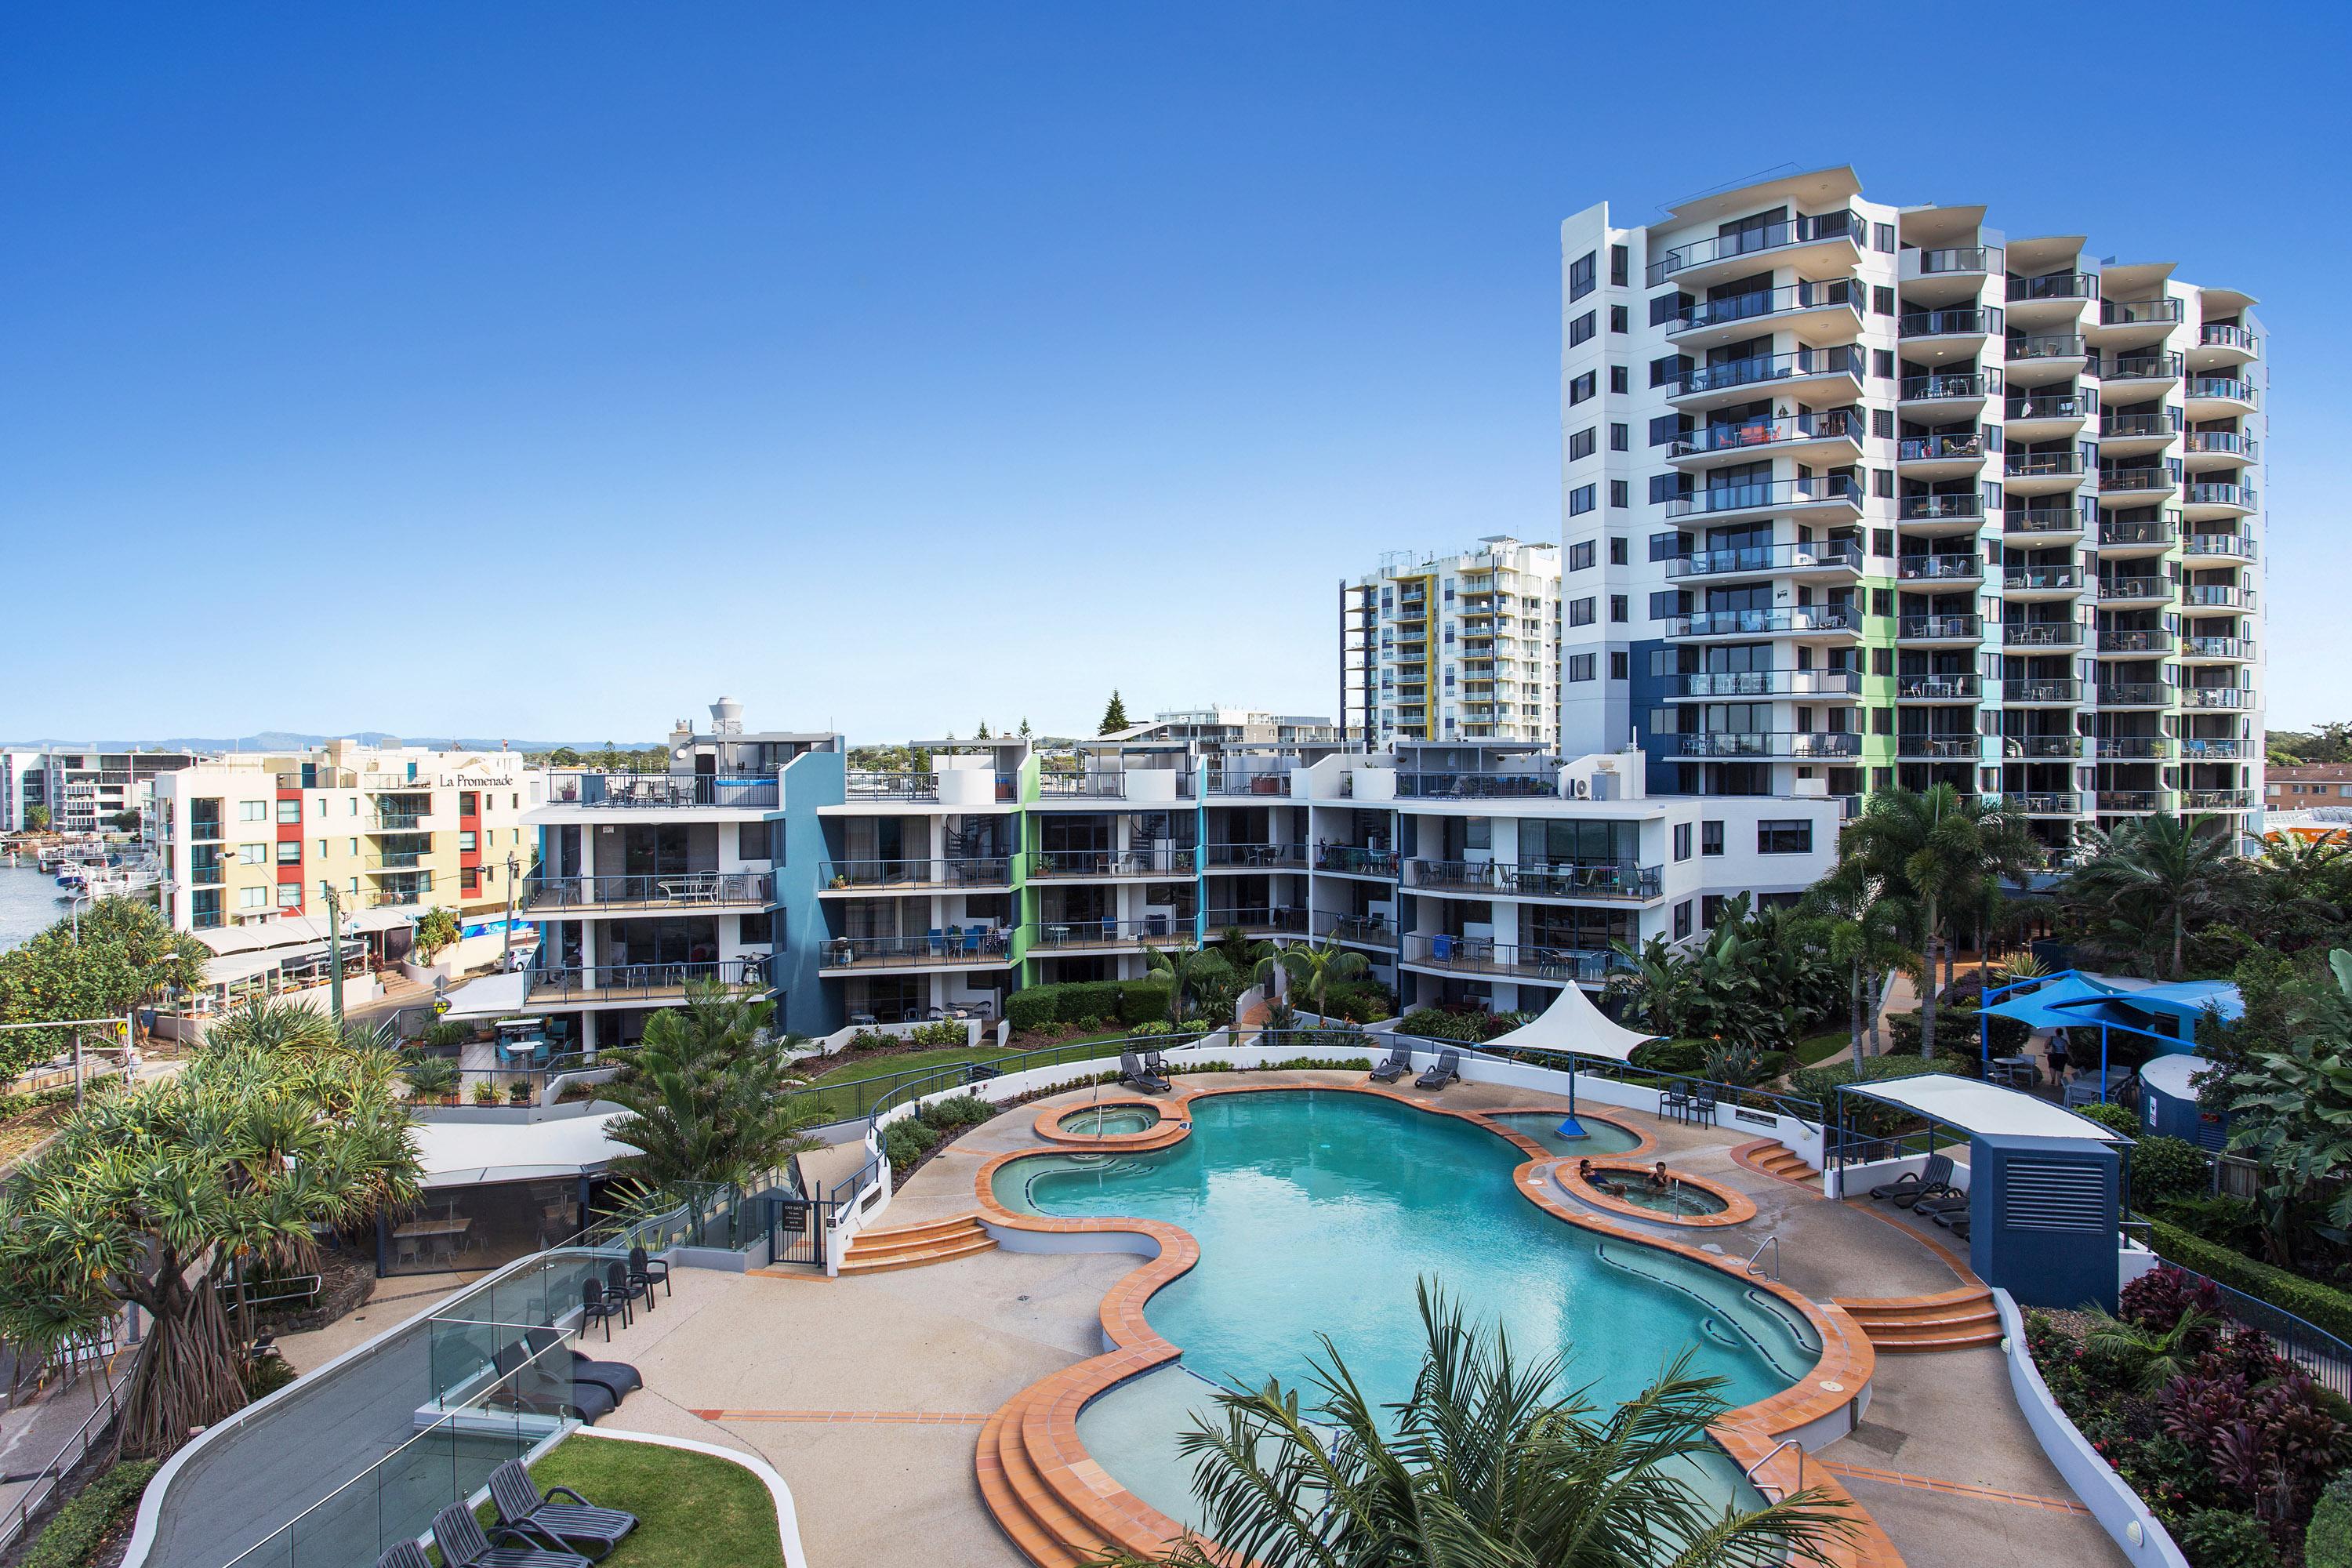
939 942
971 940
620 1287
644 1270
1441 949
594 1308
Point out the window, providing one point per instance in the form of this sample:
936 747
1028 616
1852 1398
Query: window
1582 500
1662 604
1582 279
1617 611
1580 389
1882 661
253 898
1682 841
1665 546
289 811
351 846
1579 555
1664 487
253 811
1881 541
470 878
1620 319
467 842
1882 483
1665 368
751 841
1579 666
470 803
1621 437
1881 363
1710 908
1617 378
1621 265
1665 308
1581 444
1580 330
1882 424
253 854
289 895
1882 237
289 852
1665 429
1478 833
1618 668
1682 920
1710 838
754 931
1793 837
1881 301
1620 494
1581 612
323 849
1882 721
1617 547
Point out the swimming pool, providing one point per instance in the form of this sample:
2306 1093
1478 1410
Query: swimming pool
1317 1212
1110 1120
1543 1126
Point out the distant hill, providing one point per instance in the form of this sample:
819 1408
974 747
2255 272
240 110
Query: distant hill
288 741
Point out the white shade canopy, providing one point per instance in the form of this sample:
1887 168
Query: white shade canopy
1573 1024
1973 1105
470 1153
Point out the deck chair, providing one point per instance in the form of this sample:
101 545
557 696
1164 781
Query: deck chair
1400 1063
1936 1208
464 1545
617 1378
1444 1071
578 1524
1936 1184
1131 1070
1912 1184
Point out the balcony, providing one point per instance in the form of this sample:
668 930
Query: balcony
1799 744
1962 513
397 860
1363 931
1961 325
1480 955
1064 936
2195 748
1961 748
1161 860
2030 581
2059 803
2132 748
1802 436
1433 785
1827 243
866 785
2218 800
682 890
2046 522
1251 780
2157 534
2217 597
958 947
2227 445
2031 692
2204 650
2041 634
1707 685
2036 473
1254 857
2216 500
578 984
2216 697
1259 922
1827 310
2135 694
1837 556
664 792
2041 748
2143 368
2144 642
2038 356
393 821
1800 618
1832 493
1083 783
1938 568
1837 370
2126 590
1952 394
2222 345
2129 323
2062 292
1935 688
1356 860
2135 486
2217 396
947 874
1941 628
1940 456
2134 800
1609 881
2048 414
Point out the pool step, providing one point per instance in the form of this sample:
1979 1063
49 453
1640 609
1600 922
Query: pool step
912 1245
1964 1318
1774 1158
1030 1513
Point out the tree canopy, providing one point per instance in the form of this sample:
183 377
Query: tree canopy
126 956
1114 715
703 1093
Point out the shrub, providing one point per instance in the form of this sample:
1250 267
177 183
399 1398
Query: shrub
1446 1023
1681 1056
2217 1538
2164 1168
1031 1009
1320 1064
2114 1119
870 1040
945 1035
72 1539
1142 1003
2322 1305
1954 1026
2158 1299
444 1033
1087 1000
905 1139
2223 1221
958 1110
1152 1030
1361 1001
2328 1543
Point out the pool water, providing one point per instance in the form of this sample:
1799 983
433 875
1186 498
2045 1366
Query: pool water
1600 1137
1676 1198
1316 1214
1110 1122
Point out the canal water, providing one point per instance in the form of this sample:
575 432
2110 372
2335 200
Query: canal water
29 902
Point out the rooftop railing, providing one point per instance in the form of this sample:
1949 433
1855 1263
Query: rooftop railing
664 792
659 890
1428 785
871 786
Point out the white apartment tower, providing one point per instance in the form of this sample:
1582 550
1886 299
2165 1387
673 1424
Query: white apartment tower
1857 494
1454 648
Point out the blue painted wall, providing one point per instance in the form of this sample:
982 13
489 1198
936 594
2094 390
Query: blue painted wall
1649 692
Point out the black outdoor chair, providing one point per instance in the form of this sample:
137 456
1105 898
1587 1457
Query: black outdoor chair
1444 1071
459 1536
645 1270
1914 1185
402 1554
594 1308
1131 1070
1675 1103
1702 1105
617 1378
579 1524
1400 1063
618 1284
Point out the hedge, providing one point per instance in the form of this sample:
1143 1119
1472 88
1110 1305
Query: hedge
2328 1543
1956 1030
1140 1004
73 1537
2314 1304
1076 1001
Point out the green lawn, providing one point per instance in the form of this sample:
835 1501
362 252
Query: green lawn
1818 1048
832 1103
693 1510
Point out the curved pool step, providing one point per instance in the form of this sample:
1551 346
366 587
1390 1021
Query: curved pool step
1774 1158
1962 1318
912 1245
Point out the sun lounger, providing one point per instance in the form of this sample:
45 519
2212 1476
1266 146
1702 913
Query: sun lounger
1936 1184
459 1536
1400 1063
1444 1071
576 1523
1914 1185
1131 1070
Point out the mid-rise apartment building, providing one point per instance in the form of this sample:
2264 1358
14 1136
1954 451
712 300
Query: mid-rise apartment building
1454 648
249 837
83 789
22 784
1887 495
2306 785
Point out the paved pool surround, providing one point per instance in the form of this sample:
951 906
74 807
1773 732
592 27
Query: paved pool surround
1049 1494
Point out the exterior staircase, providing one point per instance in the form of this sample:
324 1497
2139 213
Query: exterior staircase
1777 1159
1959 1320
912 1245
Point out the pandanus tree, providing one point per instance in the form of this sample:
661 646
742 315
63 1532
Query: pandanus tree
1489 1464
704 1095
161 1194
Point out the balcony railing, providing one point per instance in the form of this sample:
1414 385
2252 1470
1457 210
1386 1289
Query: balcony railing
1844 223
2136 312
1957 258
1274 922
1150 860
1938 568
1238 781
1938 748
1367 930
2042 465
1945 626
865 785
1952 386
1960 320
2044 520
921 872
2113 480
2135 588
2217 800
2195 748
2220 495
1255 856
2225 338
2135 694
1832 425
664 792
2048 406
2222 443
2044 804
2130 533
1476 786
2145 639
1935 688
1481 955
2216 697
1799 743
1935 449
2217 596
2134 800
393 821
2025 578
1110 783
1843 360
1770 302
397 860
2144 367
1355 860
2054 286
2132 748
1734 623
1108 933
1940 509
1769 683
984 947
672 889
2029 689
1605 879
626 981
2042 747
2041 634
2040 346
1835 555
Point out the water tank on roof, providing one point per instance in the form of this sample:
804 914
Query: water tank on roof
727 716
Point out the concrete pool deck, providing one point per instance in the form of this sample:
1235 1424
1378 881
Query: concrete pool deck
868 1394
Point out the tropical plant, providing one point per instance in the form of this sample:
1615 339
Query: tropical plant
2146 1358
1865 927
2150 877
1652 982
157 1195
1315 967
1937 848
436 929
36 819
119 954
265 1024
1193 973
1487 1463
2023 966
432 1078
2290 1106
703 1094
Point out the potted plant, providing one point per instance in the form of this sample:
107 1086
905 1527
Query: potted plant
432 1078
519 1092
485 1092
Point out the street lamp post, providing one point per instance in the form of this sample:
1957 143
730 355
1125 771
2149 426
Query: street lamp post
506 952
334 953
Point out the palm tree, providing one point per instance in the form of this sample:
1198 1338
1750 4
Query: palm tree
1191 971
268 1025
703 1094
2155 871
1939 848
1865 925
1315 967
2146 1358
1487 1465
1654 984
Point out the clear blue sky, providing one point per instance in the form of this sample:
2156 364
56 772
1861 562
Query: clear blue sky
547 370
